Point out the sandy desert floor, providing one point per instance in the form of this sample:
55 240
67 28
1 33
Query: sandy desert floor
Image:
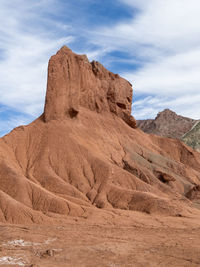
123 239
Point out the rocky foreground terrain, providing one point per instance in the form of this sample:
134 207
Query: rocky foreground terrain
82 186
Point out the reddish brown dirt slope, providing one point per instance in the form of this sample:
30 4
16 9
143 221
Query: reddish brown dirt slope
82 154
83 159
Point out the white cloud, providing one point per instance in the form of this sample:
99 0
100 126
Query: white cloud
10 123
167 24
164 35
148 107
172 75
25 50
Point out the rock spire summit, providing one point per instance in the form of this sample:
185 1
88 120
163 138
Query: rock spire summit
74 82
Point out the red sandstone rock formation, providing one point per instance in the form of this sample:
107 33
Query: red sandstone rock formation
74 82
81 155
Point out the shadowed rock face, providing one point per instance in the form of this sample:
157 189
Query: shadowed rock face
73 82
81 158
168 124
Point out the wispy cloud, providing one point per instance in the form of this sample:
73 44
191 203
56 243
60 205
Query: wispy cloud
148 106
25 47
25 50
7 125
164 37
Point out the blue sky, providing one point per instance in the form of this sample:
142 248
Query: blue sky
155 44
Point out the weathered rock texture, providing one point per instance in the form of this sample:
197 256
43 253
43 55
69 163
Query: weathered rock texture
168 124
81 158
74 82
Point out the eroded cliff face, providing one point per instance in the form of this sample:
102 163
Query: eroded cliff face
82 158
74 82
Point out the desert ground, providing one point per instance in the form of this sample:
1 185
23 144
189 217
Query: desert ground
123 238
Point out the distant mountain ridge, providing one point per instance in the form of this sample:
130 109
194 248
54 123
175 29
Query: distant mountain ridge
168 124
